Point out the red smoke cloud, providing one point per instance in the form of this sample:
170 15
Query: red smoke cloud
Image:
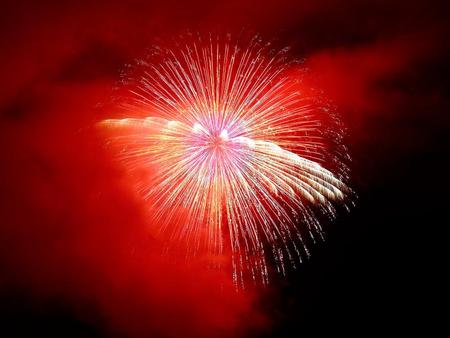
71 227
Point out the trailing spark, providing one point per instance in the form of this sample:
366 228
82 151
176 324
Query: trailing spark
230 151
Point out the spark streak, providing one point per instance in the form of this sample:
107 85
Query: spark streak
232 151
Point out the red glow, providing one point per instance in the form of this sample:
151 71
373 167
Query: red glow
72 227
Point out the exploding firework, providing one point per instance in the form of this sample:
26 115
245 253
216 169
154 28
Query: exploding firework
230 151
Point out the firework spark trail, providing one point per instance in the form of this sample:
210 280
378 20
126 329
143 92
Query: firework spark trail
235 150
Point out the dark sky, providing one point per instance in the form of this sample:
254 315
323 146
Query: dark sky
75 259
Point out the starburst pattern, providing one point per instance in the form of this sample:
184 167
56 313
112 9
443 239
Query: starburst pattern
230 150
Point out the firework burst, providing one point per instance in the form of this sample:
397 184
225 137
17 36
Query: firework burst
231 151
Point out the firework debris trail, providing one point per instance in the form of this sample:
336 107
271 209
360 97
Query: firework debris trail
230 151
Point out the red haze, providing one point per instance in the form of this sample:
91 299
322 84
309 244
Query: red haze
71 227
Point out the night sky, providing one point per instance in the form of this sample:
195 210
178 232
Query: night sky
75 257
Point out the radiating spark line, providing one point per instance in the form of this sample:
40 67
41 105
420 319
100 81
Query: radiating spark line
235 150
